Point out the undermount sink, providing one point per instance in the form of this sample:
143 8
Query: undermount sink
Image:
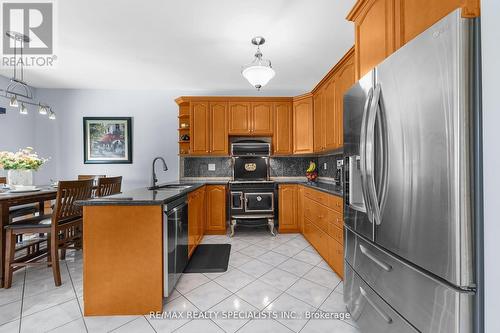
170 187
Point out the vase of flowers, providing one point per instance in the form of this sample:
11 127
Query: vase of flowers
20 166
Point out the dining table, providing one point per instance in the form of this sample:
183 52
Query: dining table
11 199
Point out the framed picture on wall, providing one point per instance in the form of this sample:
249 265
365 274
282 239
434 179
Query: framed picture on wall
107 140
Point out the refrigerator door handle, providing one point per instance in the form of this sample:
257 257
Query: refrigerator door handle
372 257
362 154
382 314
370 161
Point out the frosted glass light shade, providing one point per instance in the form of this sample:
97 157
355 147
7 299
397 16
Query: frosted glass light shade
258 75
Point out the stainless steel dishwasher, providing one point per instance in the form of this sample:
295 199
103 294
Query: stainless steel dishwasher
175 242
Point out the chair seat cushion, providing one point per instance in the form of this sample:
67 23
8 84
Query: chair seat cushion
21 210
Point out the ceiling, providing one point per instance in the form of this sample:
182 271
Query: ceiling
193 44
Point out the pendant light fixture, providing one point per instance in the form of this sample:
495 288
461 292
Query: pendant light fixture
259 72
18 92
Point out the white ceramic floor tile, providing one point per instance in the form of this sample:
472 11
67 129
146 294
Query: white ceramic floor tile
273 258
253 251
309 292
323 264
298 243
340 288
279 279
232 305
45 283
207 295
287 250
239 245
323 277
289 304
258 294
10 312
308 257
167 325
47 299
264 326
10 327
51 318
138 325
234 280
190 281
237 259
12 294
295 267
75 326
330 326
255 268
309 248
270 243
334 303
287 237
106 323
200 325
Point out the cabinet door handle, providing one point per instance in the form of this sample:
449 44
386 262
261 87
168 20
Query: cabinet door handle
381 312
383 265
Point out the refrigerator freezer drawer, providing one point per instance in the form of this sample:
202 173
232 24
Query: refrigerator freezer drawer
429 305
370 312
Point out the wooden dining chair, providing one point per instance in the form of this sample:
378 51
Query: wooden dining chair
95 178
108 186
64 228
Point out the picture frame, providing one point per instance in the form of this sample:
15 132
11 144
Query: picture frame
107 140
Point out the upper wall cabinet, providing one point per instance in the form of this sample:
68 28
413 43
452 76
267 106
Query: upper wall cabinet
251 118
303 125
283 128
328 105
382 26
239 118
209 128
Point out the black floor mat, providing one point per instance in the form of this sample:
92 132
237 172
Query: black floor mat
209 258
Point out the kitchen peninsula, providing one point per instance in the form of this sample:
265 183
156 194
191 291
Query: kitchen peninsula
124 244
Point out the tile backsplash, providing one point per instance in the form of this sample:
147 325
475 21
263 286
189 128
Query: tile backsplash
279 166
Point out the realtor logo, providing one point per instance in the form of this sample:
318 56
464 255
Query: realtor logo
34 20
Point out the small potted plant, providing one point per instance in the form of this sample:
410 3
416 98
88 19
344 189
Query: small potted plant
20 166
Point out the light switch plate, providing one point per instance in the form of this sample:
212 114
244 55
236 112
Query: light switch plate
211 166
325 166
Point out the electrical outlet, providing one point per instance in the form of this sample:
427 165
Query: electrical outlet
325 166
340 163
211 166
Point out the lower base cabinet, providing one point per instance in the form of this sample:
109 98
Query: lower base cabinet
322 226
288 219
216 210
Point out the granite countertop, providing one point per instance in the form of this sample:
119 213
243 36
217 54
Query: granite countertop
143 196
320 186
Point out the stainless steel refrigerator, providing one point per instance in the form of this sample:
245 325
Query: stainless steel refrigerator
409 208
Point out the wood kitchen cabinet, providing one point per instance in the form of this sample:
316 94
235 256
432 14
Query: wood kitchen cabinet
251 118
283 128
218 132
239 118
321 215
209 128
319 120
261 118
328 97
196 218
200 121
303 125
288 221
382 26
344 78
215 210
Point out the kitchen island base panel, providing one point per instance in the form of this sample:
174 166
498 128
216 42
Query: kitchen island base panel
122 260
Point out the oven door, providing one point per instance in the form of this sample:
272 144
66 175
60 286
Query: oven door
259 202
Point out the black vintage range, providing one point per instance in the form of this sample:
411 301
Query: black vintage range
253 197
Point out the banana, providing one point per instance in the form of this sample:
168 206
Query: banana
312 167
